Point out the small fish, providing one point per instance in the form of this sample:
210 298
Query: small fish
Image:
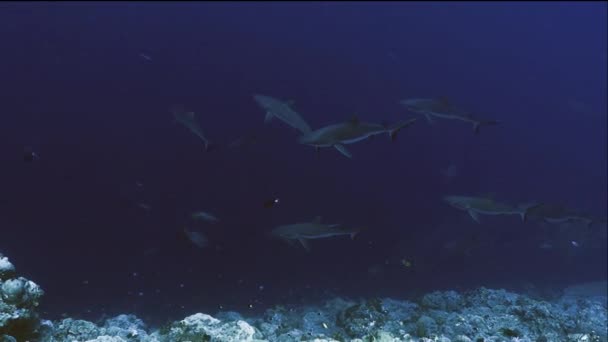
197 238
271 202
205 216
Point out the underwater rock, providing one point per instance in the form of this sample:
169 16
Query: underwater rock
106 338
481 315
446 301
120 328
18 298
21 292
425 326
7 270
76 330
202 327
125 326
229 316
362 319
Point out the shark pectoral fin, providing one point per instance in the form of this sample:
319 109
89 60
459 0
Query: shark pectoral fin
210 147
476 127
268 117
474 216
428 118
343 150
304 244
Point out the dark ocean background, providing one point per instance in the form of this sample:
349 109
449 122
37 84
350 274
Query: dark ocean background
76 89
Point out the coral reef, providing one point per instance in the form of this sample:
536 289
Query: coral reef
482 315
18 299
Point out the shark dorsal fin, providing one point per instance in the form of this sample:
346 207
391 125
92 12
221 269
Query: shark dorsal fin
444 103
489 195
444 100
316 219
354 120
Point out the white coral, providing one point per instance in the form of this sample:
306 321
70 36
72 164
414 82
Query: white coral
6 268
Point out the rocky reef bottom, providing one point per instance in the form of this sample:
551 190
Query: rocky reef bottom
479 315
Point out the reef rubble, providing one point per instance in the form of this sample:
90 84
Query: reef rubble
481 315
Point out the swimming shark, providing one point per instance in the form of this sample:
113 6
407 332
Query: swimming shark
348 133
487 206
310 230
188 120
441 108
558 214
205 216
281 110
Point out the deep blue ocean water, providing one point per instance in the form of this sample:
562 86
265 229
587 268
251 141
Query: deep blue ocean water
88 87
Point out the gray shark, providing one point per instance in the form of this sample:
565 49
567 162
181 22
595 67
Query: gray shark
441 108
487 206
558 214
283 111
196 237
348 133
205 216
310 230
188 120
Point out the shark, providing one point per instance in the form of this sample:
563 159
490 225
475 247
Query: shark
188 120
441 108
476 206
281 110
558 214
337 135
205 216
314 229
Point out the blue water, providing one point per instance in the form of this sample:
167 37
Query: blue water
88 87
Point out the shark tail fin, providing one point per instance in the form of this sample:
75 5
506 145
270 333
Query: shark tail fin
478 124
392 133
356 232
595 221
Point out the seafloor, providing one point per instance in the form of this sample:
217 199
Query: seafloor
580 314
